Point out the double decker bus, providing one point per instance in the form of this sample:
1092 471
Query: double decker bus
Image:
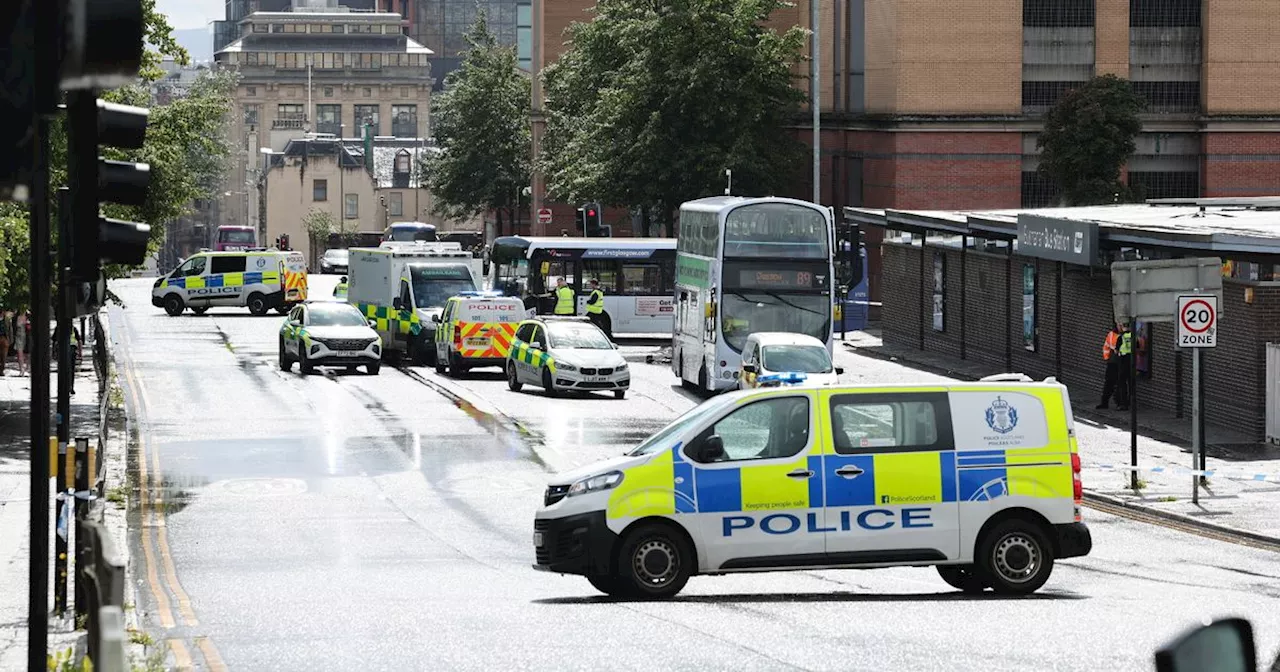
746 265
235 238
636 274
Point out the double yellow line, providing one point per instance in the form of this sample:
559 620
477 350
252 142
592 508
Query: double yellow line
153 525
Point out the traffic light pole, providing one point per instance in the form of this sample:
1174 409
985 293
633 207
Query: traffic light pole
38 582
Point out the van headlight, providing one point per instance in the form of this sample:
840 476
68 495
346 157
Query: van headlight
596 483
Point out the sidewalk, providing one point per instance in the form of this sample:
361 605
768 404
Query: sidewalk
15 525
1242 494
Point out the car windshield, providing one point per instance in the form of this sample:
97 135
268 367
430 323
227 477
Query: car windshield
745 313
336 255
802 358
412 233
691 418
335 315
577 336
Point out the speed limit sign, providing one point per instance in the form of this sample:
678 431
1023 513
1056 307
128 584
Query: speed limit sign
1197 321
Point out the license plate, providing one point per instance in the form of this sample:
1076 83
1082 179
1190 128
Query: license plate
476 342
597 379
537 539
349 354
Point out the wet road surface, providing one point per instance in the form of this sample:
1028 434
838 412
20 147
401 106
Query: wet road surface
342 522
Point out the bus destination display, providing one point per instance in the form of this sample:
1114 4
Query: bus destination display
780 279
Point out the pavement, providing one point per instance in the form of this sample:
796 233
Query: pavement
347 521
15 514
1241 496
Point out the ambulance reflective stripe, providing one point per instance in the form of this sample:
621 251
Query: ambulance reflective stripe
520 351
498 338
390 319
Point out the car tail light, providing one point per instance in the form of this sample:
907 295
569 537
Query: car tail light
457 334
1077 486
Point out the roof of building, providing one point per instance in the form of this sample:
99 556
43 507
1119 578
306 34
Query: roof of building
331 43
385 151
1234 225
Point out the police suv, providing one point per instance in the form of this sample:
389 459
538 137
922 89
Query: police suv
981 480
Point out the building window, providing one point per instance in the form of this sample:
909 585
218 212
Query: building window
252 111
367 115
404 121
367 92
402 162
320 190
328 92
395 204
1164 13
250 90
329 119
524 35
251 58
260 28
404 92
1029 325
360 28
939 291
277 28
1058 13
290 111
351 206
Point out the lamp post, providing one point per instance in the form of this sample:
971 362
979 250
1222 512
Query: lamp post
342 192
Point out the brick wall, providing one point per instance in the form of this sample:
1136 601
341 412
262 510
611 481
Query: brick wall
1111 38
1241 56
940 170
1234 371
1241 164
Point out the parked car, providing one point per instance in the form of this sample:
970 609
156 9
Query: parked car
334 261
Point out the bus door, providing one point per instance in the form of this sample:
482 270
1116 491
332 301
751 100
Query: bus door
549 271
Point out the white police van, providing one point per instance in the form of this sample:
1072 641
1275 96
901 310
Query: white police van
981 480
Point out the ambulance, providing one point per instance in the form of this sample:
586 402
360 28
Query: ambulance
476 329
980 480
401 286
258 279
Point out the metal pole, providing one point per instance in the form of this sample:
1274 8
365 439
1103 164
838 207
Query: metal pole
1196 403
82 488
814 103
1204 446
924 239
66 374
38 581
1133 402
964 306
1057 322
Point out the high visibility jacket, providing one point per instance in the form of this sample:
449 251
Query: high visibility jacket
595 303
564 301
1110 345
340 290
1126 344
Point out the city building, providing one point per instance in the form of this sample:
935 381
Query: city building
938 104
442 25
361 196
965 284
319 69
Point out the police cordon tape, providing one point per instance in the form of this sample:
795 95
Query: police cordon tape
1230 474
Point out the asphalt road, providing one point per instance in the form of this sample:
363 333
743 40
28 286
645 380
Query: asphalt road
342 522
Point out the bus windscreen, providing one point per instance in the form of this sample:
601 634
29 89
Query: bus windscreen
776 230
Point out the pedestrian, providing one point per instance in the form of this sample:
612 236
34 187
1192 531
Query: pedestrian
4 339
1115 350
565 298
595 309
21 330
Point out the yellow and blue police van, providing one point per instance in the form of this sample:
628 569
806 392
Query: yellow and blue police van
980 480
257 279
475 329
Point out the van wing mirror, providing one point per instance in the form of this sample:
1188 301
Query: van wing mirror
435 317
397 303
1225 645
711 449
839 370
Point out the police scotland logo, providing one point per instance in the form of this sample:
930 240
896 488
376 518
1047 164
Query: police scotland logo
1002 417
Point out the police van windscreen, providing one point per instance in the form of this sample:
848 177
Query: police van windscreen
800 358
434 284
335 315
577 336
662 439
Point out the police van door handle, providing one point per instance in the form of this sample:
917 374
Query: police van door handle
801 473
849 471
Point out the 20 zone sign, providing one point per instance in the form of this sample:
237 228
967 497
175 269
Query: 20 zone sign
1197 321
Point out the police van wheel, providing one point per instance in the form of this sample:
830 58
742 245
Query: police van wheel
455 366
513 380
1015 557
962 577
655 562
282 309
610 585
417 352
173 305
201 310
257 304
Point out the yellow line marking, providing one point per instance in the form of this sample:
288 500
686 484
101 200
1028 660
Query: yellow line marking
153 576
211 657
181 657
157 519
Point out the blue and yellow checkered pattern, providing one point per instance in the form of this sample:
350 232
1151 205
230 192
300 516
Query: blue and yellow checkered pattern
224 280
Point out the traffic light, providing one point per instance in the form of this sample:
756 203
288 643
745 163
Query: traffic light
95 239
590 220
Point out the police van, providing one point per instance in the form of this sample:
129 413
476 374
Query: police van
475 329
258 279
980 480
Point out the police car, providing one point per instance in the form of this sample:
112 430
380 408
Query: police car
773 357
566 354
329 334
981 480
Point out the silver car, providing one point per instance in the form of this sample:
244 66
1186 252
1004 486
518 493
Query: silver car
566 354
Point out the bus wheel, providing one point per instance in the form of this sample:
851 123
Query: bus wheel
703 385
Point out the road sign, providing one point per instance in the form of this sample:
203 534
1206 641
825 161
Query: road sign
1197 321
544 215
1148 291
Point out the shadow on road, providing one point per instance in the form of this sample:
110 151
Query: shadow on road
765 598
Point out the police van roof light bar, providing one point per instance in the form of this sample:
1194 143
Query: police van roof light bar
790 378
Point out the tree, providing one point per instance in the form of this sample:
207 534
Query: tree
482 131
654 101
1088 135
318 224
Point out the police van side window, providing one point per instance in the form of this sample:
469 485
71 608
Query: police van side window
226 264
768 429
878 423
193 266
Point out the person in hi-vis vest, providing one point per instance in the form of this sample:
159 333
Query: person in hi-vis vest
565 298
1116 350
595 309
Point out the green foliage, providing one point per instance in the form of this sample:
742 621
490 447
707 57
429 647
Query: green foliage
318 224
1087 137
482 129
159 35
65 661
15 257
654 101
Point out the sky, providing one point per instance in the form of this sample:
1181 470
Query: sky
191 13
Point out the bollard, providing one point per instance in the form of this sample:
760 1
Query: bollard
111 644
82 513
